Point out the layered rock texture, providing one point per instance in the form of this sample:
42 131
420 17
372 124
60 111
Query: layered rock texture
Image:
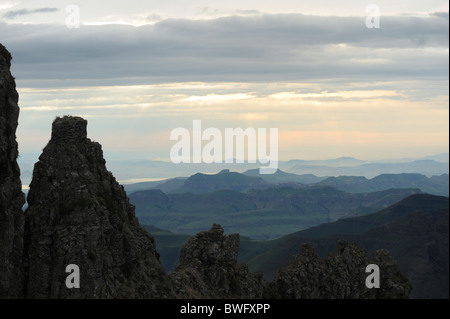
79 215
208 268
339 276
11 197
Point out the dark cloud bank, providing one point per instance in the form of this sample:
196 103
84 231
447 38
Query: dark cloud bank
278 47
16 13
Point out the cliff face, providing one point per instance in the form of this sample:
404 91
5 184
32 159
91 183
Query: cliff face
11 197
208 268
78 214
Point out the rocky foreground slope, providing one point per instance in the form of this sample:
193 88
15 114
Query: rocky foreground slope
79 215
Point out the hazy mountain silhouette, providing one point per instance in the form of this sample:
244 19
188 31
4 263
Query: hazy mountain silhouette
370 170
263 214
226 180
282 177
436 185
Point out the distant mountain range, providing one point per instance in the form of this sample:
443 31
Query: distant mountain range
224 180
251 179
436 185
127 169
282 177
335 162
260 214
415 230
370 170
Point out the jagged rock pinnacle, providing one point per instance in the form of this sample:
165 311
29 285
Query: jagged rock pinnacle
79 214
208 268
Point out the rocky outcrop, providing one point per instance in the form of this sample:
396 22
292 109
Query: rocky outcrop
339 276
208 268
11 197
79 214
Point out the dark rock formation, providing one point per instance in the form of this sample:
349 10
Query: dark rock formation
339 276
78 214
208 268
11 197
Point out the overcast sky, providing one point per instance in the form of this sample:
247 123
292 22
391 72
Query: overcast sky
138 69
